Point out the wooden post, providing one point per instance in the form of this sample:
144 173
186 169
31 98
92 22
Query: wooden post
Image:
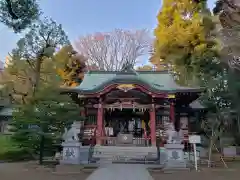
153 125
99 123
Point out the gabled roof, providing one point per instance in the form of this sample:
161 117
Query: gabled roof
156 81
6 111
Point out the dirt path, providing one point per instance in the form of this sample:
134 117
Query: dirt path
204 175
16 171
121 172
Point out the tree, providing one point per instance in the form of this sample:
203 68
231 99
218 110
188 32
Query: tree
39 122
18 82
70 66
40 125
145 68
40 44
64 68
158 63
109 51
183 39
227 12
18 14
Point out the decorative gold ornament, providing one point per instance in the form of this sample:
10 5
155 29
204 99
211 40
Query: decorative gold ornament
126 87
171 96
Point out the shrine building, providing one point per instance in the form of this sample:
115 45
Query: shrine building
139 103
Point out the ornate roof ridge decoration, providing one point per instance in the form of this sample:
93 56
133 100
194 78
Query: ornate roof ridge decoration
127 69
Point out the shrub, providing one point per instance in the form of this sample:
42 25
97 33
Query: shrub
15 155
10 152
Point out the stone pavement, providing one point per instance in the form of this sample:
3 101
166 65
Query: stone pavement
121 172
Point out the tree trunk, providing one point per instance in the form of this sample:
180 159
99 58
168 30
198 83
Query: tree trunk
41 150
210 150
37 75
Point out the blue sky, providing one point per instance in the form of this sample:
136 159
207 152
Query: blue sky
80 17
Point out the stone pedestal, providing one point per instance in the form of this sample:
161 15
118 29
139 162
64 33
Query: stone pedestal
74 153
85 154
175 156
71 152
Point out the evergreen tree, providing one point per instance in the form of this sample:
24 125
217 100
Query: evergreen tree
18 14
46 118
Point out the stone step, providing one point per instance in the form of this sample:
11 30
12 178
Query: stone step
104 154
123 152
136 151
174 170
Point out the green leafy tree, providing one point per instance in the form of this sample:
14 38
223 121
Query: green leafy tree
227 12
49 111
39 44
47 118
186 42
19 14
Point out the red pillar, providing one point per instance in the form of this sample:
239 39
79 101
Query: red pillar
99 124
172 112
82 113
153 125
83 117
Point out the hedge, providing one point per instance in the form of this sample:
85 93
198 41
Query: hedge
10 152
15 155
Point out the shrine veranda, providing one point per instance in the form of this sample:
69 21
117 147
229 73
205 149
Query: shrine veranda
138 103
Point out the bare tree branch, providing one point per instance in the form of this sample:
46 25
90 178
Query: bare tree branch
109 51
229 16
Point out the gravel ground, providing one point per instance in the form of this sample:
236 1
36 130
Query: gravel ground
16 171
121 172
203 175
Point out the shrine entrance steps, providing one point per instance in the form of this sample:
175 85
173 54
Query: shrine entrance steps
127 155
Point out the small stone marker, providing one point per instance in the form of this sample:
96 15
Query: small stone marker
121 172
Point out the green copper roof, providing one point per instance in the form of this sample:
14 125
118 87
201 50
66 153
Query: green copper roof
156 81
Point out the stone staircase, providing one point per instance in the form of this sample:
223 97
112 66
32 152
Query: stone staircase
124 154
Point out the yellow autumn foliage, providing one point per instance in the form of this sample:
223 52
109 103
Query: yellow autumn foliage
70 66
183 37
145 68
